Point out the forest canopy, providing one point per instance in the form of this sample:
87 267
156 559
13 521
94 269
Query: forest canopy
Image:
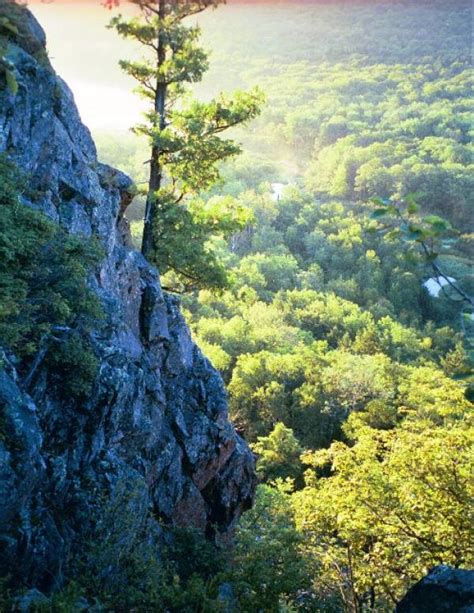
350 379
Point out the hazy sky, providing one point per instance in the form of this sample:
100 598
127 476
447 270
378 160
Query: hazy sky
245 36
86 55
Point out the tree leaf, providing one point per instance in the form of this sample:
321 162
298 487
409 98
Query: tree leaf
435 220
379 201
413 208
395 233
413 197
379 213
414 233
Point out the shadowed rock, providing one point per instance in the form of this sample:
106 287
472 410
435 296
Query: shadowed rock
444 590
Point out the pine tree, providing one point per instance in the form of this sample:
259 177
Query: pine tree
185 140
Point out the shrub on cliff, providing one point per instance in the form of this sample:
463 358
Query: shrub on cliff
46 310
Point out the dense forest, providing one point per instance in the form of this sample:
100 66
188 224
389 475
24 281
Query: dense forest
348 377
341 323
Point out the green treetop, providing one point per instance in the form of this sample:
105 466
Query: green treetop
185 139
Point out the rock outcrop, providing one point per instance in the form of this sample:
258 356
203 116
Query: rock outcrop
154 433
443 590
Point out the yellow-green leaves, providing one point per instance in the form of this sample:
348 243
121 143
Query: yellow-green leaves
394 505
278 455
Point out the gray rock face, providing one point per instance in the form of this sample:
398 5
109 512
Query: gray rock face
444 590
155 429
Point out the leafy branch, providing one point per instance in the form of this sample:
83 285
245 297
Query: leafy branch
424 232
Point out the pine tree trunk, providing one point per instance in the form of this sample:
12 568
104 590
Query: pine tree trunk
154 183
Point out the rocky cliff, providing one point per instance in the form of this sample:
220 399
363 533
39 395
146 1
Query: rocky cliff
154 434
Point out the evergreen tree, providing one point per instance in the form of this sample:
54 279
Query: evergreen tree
185 140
